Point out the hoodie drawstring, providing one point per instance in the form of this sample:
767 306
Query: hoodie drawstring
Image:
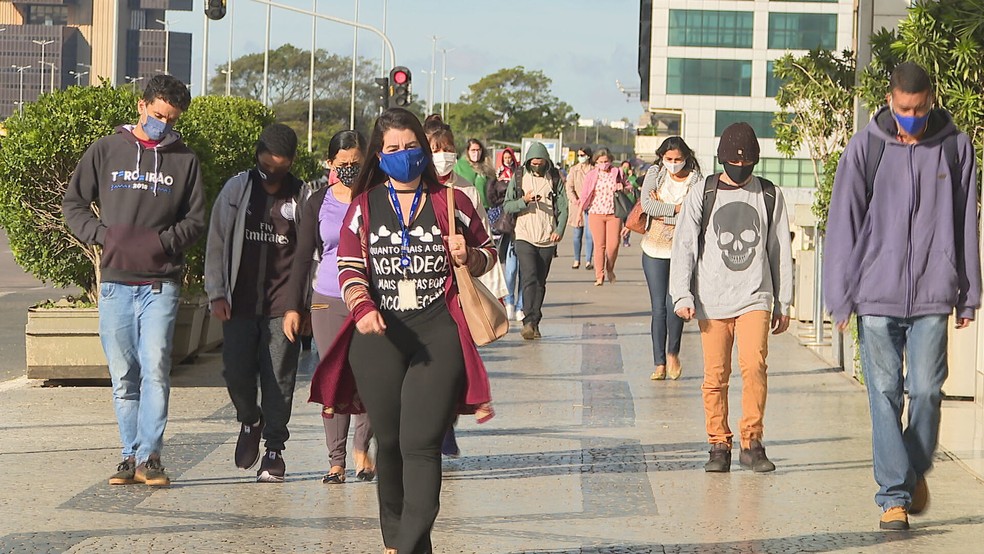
157 159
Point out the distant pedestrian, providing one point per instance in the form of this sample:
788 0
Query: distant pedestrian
601 184
536 197
149 190
732 268
405 350
577 218
476 168
507 233
317 238
901 252
252 238
664 188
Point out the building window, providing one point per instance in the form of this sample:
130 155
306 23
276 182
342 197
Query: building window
772 83
817 1
784 172
709 77
47 15
760 121
711 28
802 31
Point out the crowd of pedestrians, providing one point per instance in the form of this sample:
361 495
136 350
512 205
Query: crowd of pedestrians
362 259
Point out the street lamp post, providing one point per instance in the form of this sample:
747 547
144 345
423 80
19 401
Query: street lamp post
167 44
20 69
228 74
205 57
51 85
382 55
88 70
228 69
355 58
78 76
266 58
42 44
447 92
314 46
444 77
133 81
430 88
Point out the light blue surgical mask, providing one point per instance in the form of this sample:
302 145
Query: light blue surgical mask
155 128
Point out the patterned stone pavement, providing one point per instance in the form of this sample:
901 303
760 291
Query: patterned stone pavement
586 455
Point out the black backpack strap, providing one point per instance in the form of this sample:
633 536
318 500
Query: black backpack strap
769 190
876 147
952 159
710 194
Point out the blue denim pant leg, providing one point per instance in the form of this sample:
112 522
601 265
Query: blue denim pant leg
588 240
512 276
666 327
577 239
136 327
900 456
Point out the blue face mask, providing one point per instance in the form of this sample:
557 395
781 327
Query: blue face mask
404 166
155 128
910 123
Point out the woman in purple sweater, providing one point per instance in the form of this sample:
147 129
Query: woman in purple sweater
318 240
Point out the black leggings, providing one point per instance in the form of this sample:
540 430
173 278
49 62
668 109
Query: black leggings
410 380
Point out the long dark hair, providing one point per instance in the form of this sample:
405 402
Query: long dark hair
346 140
400 119
677 143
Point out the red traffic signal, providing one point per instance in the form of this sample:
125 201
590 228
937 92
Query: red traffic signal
400 87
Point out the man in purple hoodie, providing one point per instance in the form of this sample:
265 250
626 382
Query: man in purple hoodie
902 254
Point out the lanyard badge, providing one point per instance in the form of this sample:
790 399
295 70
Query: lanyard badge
404 231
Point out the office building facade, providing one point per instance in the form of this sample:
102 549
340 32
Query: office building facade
114 40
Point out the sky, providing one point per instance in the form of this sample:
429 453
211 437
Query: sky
584 46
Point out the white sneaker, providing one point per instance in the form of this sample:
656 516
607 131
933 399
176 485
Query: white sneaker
520 316
510 312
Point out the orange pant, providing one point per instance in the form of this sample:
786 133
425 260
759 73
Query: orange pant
606 233
717 337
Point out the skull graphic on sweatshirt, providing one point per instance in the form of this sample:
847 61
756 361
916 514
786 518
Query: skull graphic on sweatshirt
738 231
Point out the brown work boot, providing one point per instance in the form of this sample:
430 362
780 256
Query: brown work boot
920 497
754 458
528 332
720 458
894 519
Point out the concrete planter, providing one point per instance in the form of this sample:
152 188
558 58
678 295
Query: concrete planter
63 343
211 334
188 330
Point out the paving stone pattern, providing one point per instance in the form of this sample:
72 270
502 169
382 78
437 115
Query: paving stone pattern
586 456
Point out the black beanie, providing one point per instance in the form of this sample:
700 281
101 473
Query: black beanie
738 142
279 140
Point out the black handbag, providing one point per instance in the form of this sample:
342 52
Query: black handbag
623 205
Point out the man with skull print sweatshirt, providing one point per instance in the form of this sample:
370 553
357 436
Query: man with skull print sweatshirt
736 277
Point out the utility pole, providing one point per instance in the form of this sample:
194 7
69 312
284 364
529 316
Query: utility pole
205 57
167 44
314 46
42 44
20 69
228 70
266 59
355 58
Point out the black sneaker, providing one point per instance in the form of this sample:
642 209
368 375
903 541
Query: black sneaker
449 446
248 444
754 458
528 332
152 473
720 458
124 473
272 468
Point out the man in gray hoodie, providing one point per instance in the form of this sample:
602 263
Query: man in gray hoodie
902 254
732 268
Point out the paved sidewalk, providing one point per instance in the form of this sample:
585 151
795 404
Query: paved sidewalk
586 455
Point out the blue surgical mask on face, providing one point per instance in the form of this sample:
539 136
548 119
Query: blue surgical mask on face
404 166
909 123
155 128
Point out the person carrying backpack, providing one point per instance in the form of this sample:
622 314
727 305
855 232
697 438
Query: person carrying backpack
902 254
731 268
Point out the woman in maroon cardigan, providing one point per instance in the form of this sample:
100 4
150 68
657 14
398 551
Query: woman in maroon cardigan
405 352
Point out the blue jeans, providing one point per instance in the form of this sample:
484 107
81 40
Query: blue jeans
583 233
136 326
902 456
667 327
512 275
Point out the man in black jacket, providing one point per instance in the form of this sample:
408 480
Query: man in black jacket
148 186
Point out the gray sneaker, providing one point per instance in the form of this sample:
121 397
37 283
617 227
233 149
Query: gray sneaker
124 473
152 473
720 458
754 458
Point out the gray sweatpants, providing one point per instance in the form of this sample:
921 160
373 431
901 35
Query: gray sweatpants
327 316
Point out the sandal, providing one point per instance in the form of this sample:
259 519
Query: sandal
366 475
336 477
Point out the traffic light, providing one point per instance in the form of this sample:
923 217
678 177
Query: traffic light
384 89
215 9
399 87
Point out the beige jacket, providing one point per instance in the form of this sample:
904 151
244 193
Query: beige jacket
573 186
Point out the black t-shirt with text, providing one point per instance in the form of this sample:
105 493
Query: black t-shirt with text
428 258
269 241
